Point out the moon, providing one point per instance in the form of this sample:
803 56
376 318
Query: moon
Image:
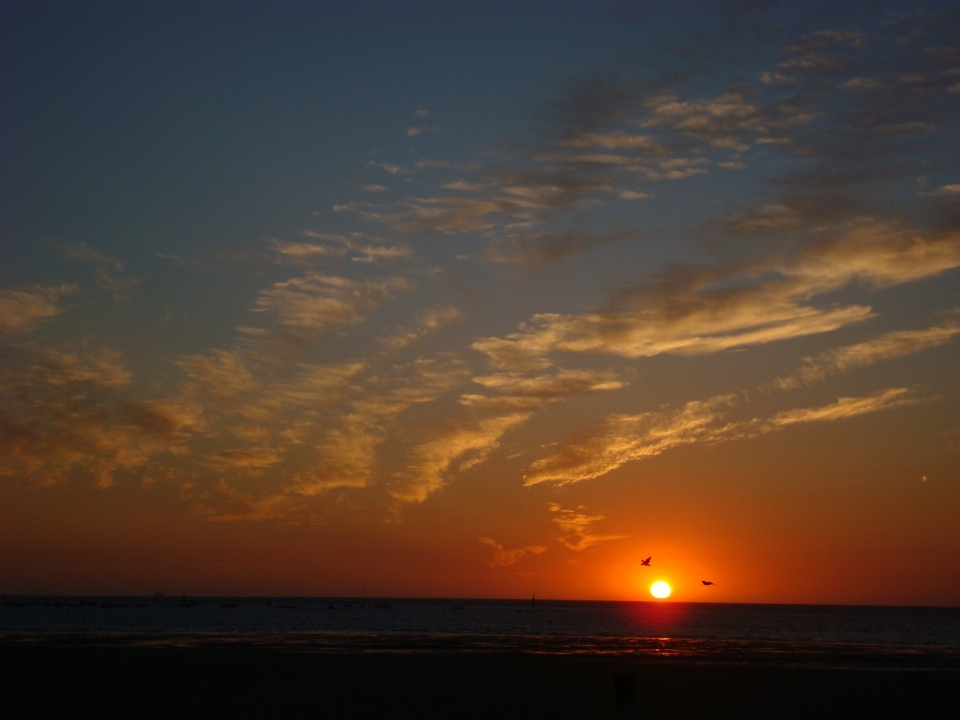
660 590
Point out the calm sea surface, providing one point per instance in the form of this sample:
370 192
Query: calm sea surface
405 625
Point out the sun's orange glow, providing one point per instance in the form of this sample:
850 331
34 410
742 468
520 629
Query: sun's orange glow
660 590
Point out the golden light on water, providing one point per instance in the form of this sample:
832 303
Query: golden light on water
660 590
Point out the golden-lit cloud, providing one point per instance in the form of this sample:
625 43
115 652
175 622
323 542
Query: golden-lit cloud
577 527
619 439
221 373
314 386
617 140
519 391
818 51
328 401
841 360
317 303
348 450
448 214
505 558
427 323
845 407
245 458
68 416
301 252
551 386
720 122
453 450
945 191
359 246
377 253
697 312
22 309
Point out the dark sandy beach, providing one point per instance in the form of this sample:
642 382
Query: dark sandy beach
56 678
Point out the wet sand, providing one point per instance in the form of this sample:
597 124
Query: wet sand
51 679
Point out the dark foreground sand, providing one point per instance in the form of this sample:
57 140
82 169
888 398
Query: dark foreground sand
52 679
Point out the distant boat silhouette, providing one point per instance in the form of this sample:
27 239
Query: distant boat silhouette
706 582
646 563
186 603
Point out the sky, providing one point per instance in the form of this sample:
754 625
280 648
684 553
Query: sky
481 299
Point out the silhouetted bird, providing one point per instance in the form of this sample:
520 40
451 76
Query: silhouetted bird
706 582
646 563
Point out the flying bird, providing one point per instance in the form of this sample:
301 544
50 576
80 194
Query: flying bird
706 582
646 563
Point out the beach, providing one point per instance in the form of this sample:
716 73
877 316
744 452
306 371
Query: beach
58 676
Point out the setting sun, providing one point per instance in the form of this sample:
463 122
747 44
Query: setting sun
660 590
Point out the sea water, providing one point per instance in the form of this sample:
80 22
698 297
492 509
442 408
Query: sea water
658 628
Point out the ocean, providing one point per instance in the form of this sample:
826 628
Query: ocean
838 635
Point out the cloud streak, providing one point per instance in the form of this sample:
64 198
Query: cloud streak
505 558
67 416
620 439
22 309
459 448
318 303
698 312
841 360
577 528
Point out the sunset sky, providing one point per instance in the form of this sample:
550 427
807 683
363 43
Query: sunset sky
481 299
